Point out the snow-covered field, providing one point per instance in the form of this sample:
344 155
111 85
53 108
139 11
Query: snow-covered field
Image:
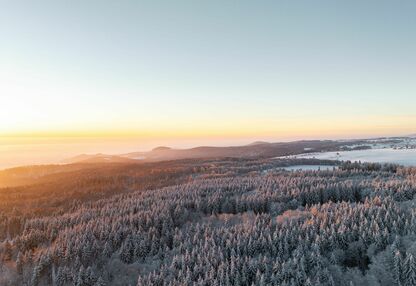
405 157
309 168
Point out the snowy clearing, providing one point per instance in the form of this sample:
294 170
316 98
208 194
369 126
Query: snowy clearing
405 157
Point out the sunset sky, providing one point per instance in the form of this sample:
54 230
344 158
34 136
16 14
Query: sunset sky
187 70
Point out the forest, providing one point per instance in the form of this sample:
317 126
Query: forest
208 222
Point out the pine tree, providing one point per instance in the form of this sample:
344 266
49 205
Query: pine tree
7 251
409 270
127 251
108 250
397 268
100 282
36 275
19 263
60 277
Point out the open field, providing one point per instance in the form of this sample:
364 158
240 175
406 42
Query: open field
405 157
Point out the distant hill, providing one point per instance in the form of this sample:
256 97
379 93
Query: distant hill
98 158
256 149
258 143
161 148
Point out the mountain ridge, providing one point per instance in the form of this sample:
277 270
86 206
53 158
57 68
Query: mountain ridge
255 149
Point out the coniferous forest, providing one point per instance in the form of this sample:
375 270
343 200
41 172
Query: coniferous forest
207 143
209 222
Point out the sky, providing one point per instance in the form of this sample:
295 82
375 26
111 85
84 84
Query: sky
213 71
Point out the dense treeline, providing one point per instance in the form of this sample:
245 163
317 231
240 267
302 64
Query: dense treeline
216 222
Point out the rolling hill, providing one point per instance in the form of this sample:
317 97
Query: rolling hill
253 150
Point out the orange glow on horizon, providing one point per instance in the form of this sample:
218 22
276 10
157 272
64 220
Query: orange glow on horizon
289 128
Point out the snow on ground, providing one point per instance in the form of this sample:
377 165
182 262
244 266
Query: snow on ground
309 168
405 157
